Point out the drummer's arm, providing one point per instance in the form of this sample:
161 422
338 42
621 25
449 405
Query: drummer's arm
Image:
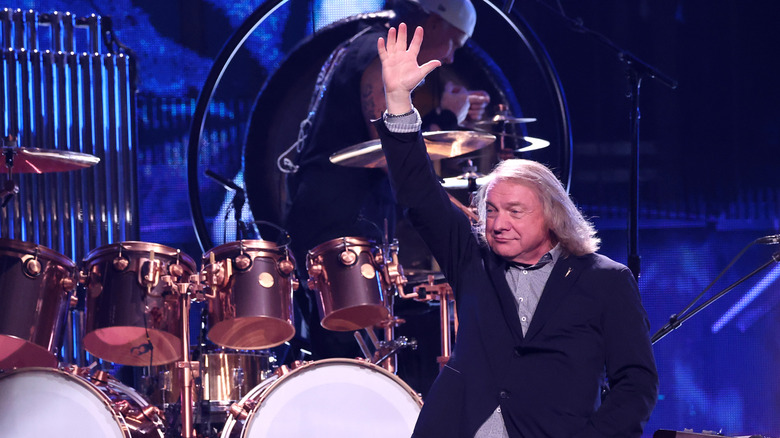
372 95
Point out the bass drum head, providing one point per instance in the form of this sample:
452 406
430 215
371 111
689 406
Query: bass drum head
334 398
43 402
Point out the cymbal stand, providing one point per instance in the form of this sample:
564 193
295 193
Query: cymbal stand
10 188
188 369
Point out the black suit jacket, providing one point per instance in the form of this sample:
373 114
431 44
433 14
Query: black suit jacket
589 329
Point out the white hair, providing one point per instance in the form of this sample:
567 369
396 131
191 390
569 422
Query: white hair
568 226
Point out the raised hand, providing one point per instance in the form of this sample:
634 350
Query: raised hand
400 71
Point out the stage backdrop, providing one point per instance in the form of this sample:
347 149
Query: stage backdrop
708 160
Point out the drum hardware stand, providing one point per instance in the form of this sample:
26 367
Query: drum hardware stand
189 370
393 273
10 188
443 293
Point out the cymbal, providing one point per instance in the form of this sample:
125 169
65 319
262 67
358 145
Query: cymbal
34 160
462 181
440 145
529 143
501 118
416 276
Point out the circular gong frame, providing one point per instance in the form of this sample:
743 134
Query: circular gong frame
502 60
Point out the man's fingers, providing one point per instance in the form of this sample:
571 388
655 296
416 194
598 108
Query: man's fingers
401 39
429 67
391 37
381 50
414 47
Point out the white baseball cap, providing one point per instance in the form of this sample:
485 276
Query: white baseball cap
459 13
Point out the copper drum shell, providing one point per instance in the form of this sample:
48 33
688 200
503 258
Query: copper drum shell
348 280
35 289
126 300
251 308
225 377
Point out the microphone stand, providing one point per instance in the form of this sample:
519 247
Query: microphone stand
676 321
239 199
636 70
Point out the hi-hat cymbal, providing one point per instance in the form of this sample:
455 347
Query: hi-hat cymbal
34 160
440 145
501 118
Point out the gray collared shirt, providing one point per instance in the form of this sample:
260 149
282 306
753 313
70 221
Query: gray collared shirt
526 284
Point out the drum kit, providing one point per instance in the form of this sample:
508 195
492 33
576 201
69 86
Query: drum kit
137 298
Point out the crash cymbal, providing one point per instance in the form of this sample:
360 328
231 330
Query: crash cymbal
440 145
34 160
499 119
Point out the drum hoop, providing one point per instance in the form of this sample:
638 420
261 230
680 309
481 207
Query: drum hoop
343 361
267 387
27 248
248 246
341 242
83 382
137 247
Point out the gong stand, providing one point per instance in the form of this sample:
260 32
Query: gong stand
636 71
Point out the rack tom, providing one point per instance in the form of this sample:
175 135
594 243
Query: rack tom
347 274
35 289
132 316
250 303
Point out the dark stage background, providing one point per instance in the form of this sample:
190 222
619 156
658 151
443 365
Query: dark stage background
708 159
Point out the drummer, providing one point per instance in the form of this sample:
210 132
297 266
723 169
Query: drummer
329 201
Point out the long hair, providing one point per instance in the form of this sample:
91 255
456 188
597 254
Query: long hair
565 221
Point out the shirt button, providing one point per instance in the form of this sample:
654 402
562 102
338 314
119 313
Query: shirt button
503 394
525 272
522 299
523 319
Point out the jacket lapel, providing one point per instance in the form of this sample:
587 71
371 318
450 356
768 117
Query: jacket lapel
562 278
496 269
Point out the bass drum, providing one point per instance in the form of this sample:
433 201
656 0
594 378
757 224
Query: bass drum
328 398
47 402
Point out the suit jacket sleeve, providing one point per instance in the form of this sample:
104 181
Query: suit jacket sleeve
444 228
630 365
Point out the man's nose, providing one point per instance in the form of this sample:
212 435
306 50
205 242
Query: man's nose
500 223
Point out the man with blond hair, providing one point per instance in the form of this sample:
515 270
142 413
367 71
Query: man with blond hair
553 340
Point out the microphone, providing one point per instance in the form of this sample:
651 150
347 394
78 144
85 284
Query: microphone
228 184
769 240
239 199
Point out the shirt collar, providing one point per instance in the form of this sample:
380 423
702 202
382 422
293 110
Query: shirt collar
550 256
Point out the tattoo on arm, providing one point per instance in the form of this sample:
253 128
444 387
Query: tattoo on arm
369 103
